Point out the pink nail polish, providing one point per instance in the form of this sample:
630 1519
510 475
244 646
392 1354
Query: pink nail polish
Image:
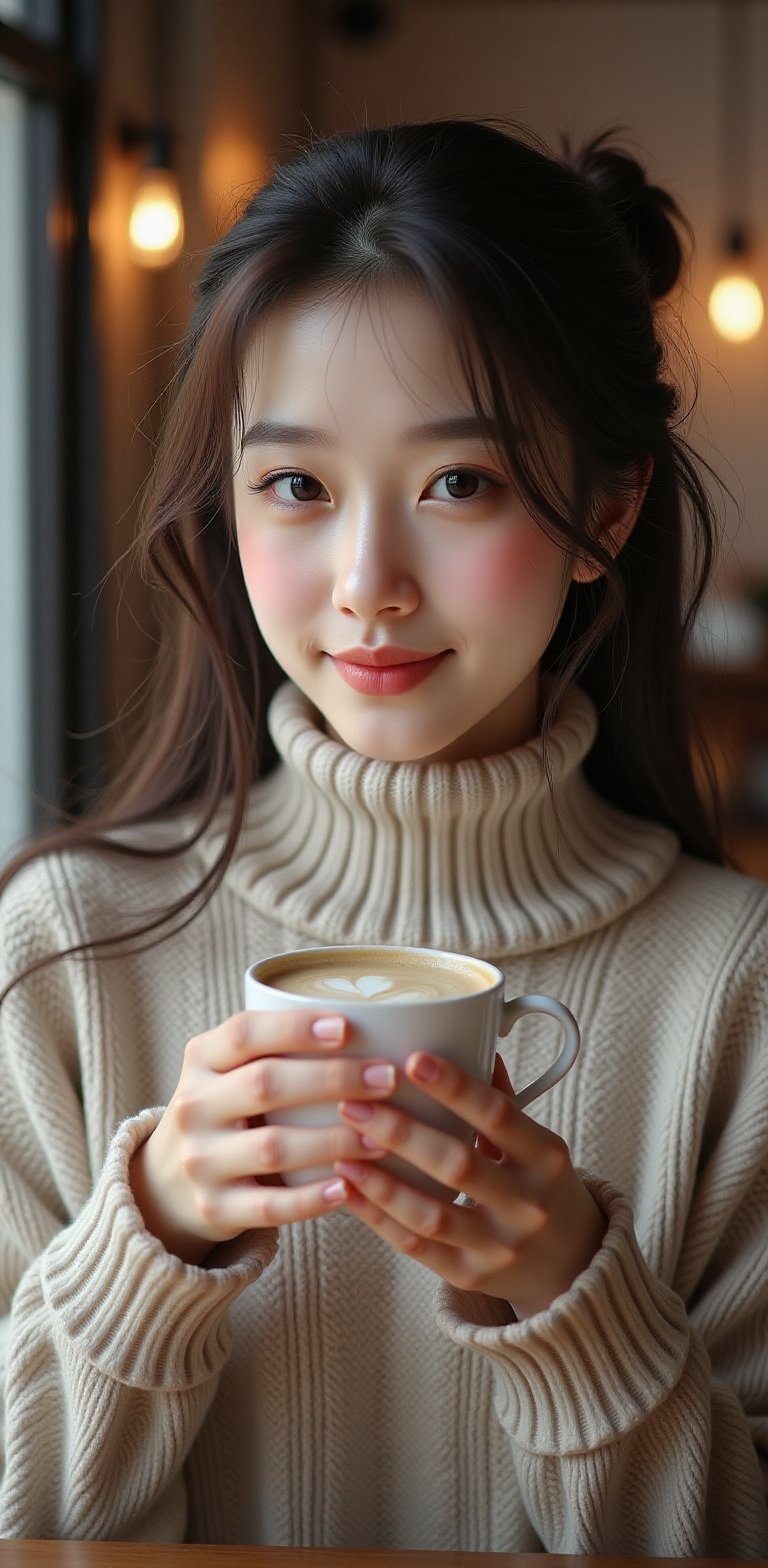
352 1169
380 1076
426 1069
330 1031
356 1110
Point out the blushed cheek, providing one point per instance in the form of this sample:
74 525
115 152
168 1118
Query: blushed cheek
279 583
511 571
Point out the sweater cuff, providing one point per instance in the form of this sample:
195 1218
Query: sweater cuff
134 1310
597 1361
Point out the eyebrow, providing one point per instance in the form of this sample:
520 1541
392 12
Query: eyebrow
278 432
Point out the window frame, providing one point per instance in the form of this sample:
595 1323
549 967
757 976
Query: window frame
66 641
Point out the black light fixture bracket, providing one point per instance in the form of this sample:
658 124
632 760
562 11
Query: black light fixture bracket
156 138
737 241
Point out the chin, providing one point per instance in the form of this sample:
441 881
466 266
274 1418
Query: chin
371 741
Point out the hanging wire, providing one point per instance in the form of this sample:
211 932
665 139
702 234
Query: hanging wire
735 120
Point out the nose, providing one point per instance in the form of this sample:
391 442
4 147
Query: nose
371 579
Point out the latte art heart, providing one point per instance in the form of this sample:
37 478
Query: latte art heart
404 981
374 988
366 985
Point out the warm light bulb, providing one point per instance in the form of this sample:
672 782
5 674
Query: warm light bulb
736 308
156 226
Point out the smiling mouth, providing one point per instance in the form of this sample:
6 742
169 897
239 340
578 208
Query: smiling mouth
386 656
388 680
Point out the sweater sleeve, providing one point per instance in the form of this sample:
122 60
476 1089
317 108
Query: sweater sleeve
110 1348
638 1412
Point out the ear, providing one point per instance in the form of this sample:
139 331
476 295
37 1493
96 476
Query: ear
620 513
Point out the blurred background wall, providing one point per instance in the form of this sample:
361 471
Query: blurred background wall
223 77
243 82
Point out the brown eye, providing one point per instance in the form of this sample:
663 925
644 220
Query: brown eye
296 480
462 481
462 484
298 484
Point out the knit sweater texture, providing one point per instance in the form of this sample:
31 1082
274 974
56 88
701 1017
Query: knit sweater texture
313 1387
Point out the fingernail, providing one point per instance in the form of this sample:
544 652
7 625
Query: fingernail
426 1068
371 1145
379 1076
330 1031
335 1192
353 1169
356 1110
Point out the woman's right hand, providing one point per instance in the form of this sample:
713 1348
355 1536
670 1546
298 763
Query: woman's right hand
211 1168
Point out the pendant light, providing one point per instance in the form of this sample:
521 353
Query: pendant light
156 224
736 307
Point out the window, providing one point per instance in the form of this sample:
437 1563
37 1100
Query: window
49 637
15 675
42 18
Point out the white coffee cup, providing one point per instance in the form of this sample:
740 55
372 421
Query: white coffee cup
463 1028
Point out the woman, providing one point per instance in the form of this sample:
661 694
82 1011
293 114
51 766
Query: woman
575 1362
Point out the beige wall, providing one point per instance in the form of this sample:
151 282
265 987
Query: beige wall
242 79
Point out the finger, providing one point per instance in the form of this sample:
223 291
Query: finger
274 1083
463 1267
500 1080
249 1205
247 1034
487 1109
229 1156
433 1254
431 1219
451 1161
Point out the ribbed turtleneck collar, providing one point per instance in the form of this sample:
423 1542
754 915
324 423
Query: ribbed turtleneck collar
461 855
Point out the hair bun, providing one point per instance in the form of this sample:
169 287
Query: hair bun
645 211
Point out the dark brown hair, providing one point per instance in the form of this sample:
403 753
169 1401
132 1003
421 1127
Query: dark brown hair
548 268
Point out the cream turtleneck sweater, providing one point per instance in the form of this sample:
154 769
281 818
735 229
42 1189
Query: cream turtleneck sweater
314 1387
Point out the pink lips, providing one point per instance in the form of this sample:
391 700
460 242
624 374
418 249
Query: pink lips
386 672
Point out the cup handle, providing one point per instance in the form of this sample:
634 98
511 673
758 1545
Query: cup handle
516 1009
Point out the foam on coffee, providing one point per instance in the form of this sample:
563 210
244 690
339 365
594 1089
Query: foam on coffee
369 977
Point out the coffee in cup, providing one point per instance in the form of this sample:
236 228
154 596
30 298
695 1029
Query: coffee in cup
370 974
447 1003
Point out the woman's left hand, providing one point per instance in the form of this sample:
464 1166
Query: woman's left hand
533 1226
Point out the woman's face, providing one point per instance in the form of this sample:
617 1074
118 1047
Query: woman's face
389 536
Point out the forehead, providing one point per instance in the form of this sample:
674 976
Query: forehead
355 361
365 371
